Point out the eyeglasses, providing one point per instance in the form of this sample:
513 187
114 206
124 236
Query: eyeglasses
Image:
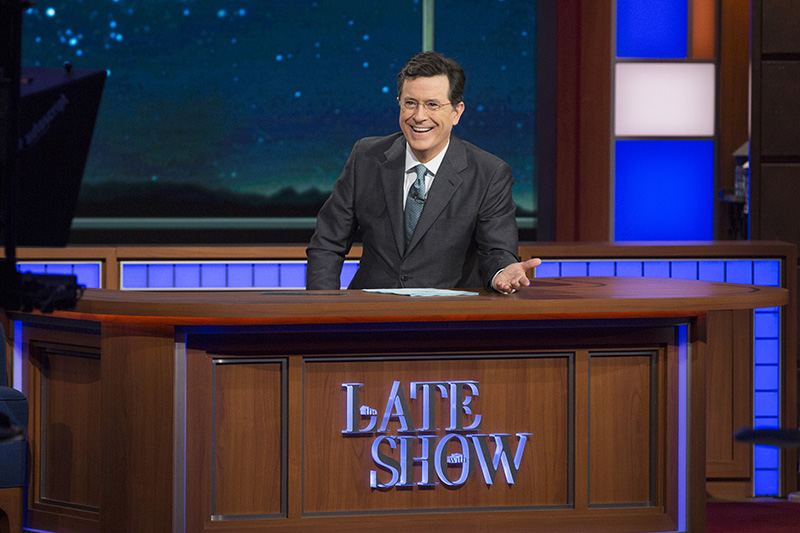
411 106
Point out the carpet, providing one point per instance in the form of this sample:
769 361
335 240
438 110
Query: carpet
752 517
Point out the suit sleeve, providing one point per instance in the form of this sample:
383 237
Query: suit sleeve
496 232
335 230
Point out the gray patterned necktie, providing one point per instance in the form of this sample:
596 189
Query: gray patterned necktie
415 202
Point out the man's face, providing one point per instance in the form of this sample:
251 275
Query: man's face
427 132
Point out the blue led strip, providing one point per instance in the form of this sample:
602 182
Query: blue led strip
216 275
88 273
766 332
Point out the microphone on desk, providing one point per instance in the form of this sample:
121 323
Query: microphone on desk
781 437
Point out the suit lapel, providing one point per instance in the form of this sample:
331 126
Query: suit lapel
392 171
444 186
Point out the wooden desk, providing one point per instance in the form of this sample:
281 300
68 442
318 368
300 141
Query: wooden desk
226 411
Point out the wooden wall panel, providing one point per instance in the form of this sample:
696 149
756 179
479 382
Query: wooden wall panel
247 439
729 393
621 399
64 389
583 121
734 99
71 444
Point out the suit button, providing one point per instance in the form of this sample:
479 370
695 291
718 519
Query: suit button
404 277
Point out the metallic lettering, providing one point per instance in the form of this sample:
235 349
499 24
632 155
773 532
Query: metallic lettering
501 451
397 406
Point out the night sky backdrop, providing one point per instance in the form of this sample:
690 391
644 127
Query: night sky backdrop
249 108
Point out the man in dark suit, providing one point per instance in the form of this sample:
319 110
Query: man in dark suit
433 210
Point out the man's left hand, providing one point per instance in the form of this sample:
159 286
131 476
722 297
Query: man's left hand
514 276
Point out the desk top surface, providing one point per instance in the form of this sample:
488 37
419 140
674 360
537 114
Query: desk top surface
551 298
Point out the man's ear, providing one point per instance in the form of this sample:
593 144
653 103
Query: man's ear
458 110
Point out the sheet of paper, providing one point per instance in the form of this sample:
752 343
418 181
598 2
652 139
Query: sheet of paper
423 292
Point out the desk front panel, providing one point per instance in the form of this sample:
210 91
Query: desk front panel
522 423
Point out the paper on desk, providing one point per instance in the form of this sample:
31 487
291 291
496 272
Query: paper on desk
423 292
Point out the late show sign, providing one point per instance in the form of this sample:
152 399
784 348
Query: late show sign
394 454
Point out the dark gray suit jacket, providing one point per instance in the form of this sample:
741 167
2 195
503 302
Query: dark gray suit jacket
466 233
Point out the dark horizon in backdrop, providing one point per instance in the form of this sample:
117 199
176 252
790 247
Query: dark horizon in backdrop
248 111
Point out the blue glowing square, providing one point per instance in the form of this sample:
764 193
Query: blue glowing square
766 482
187 275
766 351
652 29
574 269
240 275
161 276
766 377
656 269
766 403
712 271
767 273
630 269
266 275
134 276
213 275
602 268
548 269
685 270
766 456
664 190
739 272
349 269
88 275
767 325
293 275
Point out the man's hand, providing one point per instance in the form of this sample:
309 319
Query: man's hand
514 276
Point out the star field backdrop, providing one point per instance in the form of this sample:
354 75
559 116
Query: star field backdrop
248 109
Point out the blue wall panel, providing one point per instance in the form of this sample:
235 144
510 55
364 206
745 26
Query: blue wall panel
664 190
652 29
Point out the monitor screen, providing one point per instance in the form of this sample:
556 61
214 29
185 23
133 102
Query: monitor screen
58 108
230 123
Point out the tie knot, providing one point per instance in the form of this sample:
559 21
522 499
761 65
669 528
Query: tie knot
421 171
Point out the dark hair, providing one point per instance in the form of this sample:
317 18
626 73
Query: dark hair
429 64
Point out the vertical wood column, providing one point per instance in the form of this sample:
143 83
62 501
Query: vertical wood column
137 427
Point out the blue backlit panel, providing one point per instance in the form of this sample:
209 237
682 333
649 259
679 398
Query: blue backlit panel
684 270
349 269
602 269
629 269
240 276
187 275
664 190
266 275
711 271
88 274
293 275
652 29
213 276
656 269
161 276
548 269
766 482
573 269
739 272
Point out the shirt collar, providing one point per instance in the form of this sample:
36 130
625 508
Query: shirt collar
432 165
